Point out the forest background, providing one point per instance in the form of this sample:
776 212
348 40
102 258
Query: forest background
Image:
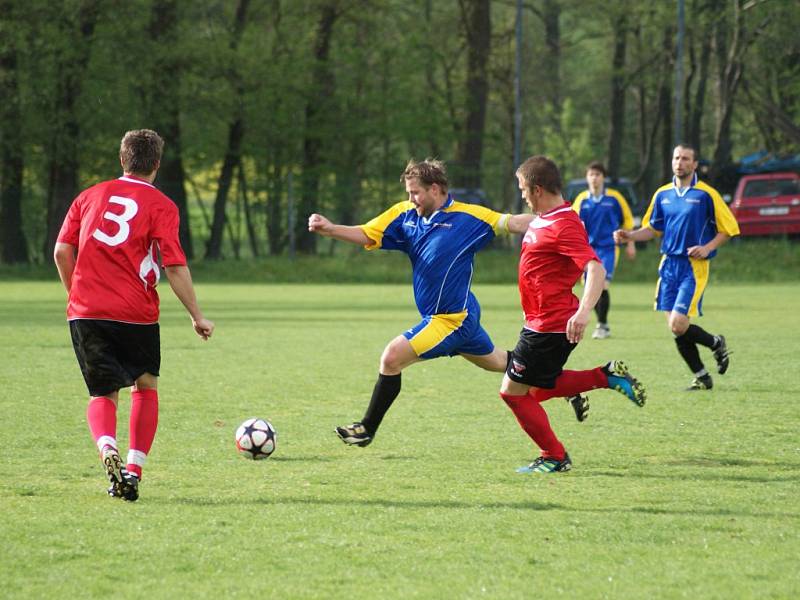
274 109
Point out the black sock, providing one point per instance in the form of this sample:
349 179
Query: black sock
386 390
602 306
698 335
689 352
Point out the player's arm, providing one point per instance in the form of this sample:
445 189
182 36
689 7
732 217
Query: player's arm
346 233
64 256
706 249
180 280
643 234
595 276
518 223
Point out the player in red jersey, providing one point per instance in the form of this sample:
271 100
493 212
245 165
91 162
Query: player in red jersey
107 256
555 253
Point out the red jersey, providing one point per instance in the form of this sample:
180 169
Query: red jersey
118 226
555 251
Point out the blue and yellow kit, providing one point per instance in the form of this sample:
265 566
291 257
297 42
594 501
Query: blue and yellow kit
686 217
441 248
601 216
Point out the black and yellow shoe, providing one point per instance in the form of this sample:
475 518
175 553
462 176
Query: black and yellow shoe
354 434
704 382
580 404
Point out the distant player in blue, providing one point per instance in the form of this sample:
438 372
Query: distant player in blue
603 211
440 236
694 221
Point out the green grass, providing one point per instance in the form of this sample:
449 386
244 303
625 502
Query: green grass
693 496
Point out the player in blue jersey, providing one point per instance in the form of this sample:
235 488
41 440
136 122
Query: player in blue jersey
440 236
693 221
603 211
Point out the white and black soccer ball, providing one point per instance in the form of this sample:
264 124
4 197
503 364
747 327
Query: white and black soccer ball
256 439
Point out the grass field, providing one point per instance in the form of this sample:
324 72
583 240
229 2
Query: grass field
693 496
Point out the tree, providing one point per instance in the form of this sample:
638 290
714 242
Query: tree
476 18
13 244
76 26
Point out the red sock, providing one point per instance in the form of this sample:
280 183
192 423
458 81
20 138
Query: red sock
570 383
143 425
533 419
101 414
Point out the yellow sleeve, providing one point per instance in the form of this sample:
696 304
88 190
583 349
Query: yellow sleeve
375 228
497 221
627 215
576 204
726 222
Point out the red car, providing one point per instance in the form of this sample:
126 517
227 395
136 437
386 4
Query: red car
768 204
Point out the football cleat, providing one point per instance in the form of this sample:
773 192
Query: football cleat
601 332
354 434
113 466
128 490
547 465
704 382
580 404
721 355
621 380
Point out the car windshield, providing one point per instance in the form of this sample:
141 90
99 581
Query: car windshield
771 187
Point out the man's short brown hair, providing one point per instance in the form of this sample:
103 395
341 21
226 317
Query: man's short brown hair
140 151
596 165
427 172
687 146
540 170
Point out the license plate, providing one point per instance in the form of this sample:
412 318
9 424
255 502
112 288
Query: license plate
772 211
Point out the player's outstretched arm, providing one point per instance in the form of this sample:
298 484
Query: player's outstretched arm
643 234
346 233
180 280
519 223
64 256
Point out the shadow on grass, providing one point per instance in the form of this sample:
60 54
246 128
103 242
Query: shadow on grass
526 505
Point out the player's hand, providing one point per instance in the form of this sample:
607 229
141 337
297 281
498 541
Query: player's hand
203 327
318 224
698 251
621 236
576 326
630 251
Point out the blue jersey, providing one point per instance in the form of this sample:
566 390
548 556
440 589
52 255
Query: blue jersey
441 247
688 217
602 215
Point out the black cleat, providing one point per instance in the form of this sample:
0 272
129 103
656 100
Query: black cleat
704 382
580 404
721 354
128 490
354 434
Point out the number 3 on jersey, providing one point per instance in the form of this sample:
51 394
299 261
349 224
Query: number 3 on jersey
131 208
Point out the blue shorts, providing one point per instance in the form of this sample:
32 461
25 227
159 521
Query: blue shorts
609 256
449 335
681 283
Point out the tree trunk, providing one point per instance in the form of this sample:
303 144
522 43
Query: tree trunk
618 90
322 89
233 150
13 245
477 20
63 152
162 101
551 67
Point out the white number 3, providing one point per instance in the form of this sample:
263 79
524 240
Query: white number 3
131 208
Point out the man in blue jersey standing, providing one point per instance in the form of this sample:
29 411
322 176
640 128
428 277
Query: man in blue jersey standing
603 210
440 236
694 221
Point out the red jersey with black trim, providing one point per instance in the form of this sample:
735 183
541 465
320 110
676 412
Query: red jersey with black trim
119 228
555 252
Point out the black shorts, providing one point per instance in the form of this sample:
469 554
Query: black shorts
539 358
113 355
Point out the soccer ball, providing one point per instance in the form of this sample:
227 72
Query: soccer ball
256 439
